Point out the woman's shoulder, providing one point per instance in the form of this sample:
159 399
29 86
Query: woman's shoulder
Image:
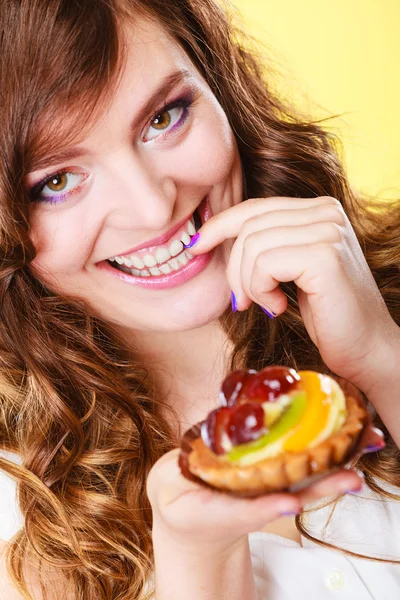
11 519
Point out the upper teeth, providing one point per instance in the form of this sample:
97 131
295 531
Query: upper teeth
185 237
174 264
191 227
159 255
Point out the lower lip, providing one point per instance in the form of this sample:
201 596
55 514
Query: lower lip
163 282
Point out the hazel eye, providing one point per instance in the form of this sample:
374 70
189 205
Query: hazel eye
58 183
58 187
160 122
165 121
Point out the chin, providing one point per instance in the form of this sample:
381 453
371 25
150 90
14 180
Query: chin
205 314
184 313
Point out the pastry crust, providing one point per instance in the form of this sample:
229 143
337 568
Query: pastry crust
284 471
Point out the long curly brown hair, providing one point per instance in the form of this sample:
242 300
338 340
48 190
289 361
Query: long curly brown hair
84 417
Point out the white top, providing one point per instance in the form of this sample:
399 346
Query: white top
285 570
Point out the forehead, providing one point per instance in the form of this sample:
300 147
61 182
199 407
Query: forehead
151 53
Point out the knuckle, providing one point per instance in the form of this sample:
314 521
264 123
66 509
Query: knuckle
251 246
255 283
334 232
248 227
327 255
251 201
252 291
331 200
336 213
253 239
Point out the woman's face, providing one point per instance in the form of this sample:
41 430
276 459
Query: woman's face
130 190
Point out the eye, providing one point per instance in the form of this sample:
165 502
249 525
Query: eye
169 118
58 183
58 187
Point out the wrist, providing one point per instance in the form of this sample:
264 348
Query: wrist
383 365
202 571
188 545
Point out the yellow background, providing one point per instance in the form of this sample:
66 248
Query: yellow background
344 56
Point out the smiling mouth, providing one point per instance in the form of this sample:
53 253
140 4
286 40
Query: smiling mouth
165 258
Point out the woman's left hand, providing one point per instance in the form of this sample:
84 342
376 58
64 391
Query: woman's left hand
310 242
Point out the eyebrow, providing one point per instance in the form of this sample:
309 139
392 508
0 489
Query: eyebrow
167 85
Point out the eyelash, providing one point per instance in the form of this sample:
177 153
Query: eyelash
184 102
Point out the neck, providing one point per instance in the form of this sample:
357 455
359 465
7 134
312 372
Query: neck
188 367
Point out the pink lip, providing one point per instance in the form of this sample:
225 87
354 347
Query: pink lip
163 282
158 240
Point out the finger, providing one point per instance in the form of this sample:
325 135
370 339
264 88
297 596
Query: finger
228 223
177 500
315 269
227 512
245 283
282 220
332 486
166 482
172 487
373 440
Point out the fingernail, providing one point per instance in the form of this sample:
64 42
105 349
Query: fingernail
271 314
355 491
193 241
289 513
374 448
234 304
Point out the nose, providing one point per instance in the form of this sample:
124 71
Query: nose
139 195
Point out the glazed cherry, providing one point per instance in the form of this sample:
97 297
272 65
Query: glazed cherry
215 427
242 423
241 417
246 423
270 383
233 385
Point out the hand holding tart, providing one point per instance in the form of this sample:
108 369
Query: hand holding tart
276 430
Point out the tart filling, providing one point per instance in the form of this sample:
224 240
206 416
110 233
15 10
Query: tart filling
309 415
275 430
274 411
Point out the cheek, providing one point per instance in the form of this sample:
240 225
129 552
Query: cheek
210 150
63 243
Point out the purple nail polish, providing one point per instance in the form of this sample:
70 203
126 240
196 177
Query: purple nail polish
234 304
357 491
193 241
271 314
289 514
374 448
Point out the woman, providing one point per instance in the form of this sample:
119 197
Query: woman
127 126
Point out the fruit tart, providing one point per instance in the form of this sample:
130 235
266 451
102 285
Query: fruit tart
277 429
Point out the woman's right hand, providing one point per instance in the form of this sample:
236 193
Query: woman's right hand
195 516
